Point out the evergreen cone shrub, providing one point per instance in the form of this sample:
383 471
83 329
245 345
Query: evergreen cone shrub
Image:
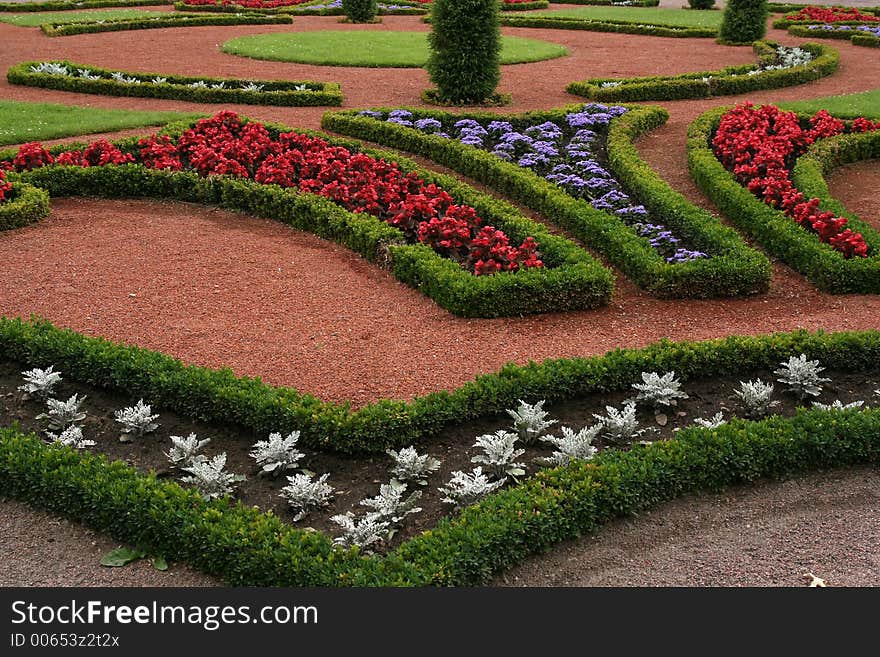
360 11
701 4
465 45
744 21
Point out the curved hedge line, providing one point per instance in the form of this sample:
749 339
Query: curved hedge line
295 10
735 270
788 8
71 5
246 547
780 235
25 205
623 27
524 6
865 40
572 279
732 80
855 37
177 87
635 3
173 20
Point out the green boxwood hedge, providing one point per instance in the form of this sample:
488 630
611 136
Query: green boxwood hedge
789 8
247 548
779 234
172 20
734 268
524 6
786 22
635 3
865 40
296 10
71 5
24 205
732 80
176 87
854 37
623 27
571 280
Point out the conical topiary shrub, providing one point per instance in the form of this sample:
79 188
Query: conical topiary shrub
360 11
744 21
465 46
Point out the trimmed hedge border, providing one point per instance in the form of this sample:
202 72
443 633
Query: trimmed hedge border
623 27
736 269
854 37
293 10
25 205
786 8
732 80
780 235
572 280
71 5
785 23
279 92
525 6
636 3
243 546
865 40
173 20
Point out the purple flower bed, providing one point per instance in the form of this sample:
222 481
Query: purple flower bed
571 155
867 29
337 4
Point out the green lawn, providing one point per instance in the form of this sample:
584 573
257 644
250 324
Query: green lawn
38 18
370 48
849 106
22 122
647 15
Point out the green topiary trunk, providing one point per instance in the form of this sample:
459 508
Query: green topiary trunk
360 11
465 45
744 21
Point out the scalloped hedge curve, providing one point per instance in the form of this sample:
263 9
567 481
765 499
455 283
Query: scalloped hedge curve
73 5
25 205
737 269
173 20
820 263
622 27
731 80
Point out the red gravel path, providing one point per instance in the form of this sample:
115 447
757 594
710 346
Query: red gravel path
856 185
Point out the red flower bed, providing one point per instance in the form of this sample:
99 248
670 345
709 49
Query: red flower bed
832 15
760 145
248 4
5 187
358 182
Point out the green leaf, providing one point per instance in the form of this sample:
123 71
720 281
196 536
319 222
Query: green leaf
121 556
159 563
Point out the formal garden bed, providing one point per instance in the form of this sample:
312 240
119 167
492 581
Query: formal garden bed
165 20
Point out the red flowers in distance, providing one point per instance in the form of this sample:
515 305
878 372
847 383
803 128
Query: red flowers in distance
832 15
760 145
360 183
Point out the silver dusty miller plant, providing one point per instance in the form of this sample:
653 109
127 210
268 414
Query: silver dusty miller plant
305 494
712 423
838 405
39 383
572 445
62 414
620 426
278 454
72 436
659 390
184 452
466 488
757 397
136 421
363 532
801 376
500 454
529 421
391 505
412 467
210 478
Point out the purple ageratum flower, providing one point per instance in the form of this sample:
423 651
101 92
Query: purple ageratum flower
546 130
399 121
500 127
472 140
600 186
400 114
371 114
532 160
428 125
546 148
578 152
683 255
505 148
592 168
504 155
615 199
466 123
516 138
584 136
445 135
562 168
632 212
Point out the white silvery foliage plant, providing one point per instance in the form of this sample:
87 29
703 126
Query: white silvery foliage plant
40 383
210 478
530 421
252 86
51 68
185 451
572 445
712 423
305 494
62 414
620 426
838 405
466 488
278 454
218 85
86 74
801 376
136 421
757 397
500 454
119 76
72 436
410 466
391 505
659 390
199 84
362 533
159 80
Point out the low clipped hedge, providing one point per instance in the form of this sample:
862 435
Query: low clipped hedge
729 81
853 36
299 10
622 27
524 6
789 8
25 204
865 40
276 92
786 23
245 547
735 269
571 280
71 5
173 20
635 3
779 234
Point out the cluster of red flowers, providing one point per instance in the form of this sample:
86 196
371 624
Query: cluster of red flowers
832 15
248 4
759 145
358 182
5 187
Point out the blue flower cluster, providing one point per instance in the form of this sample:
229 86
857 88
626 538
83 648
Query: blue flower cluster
868 29
337 4
568 155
